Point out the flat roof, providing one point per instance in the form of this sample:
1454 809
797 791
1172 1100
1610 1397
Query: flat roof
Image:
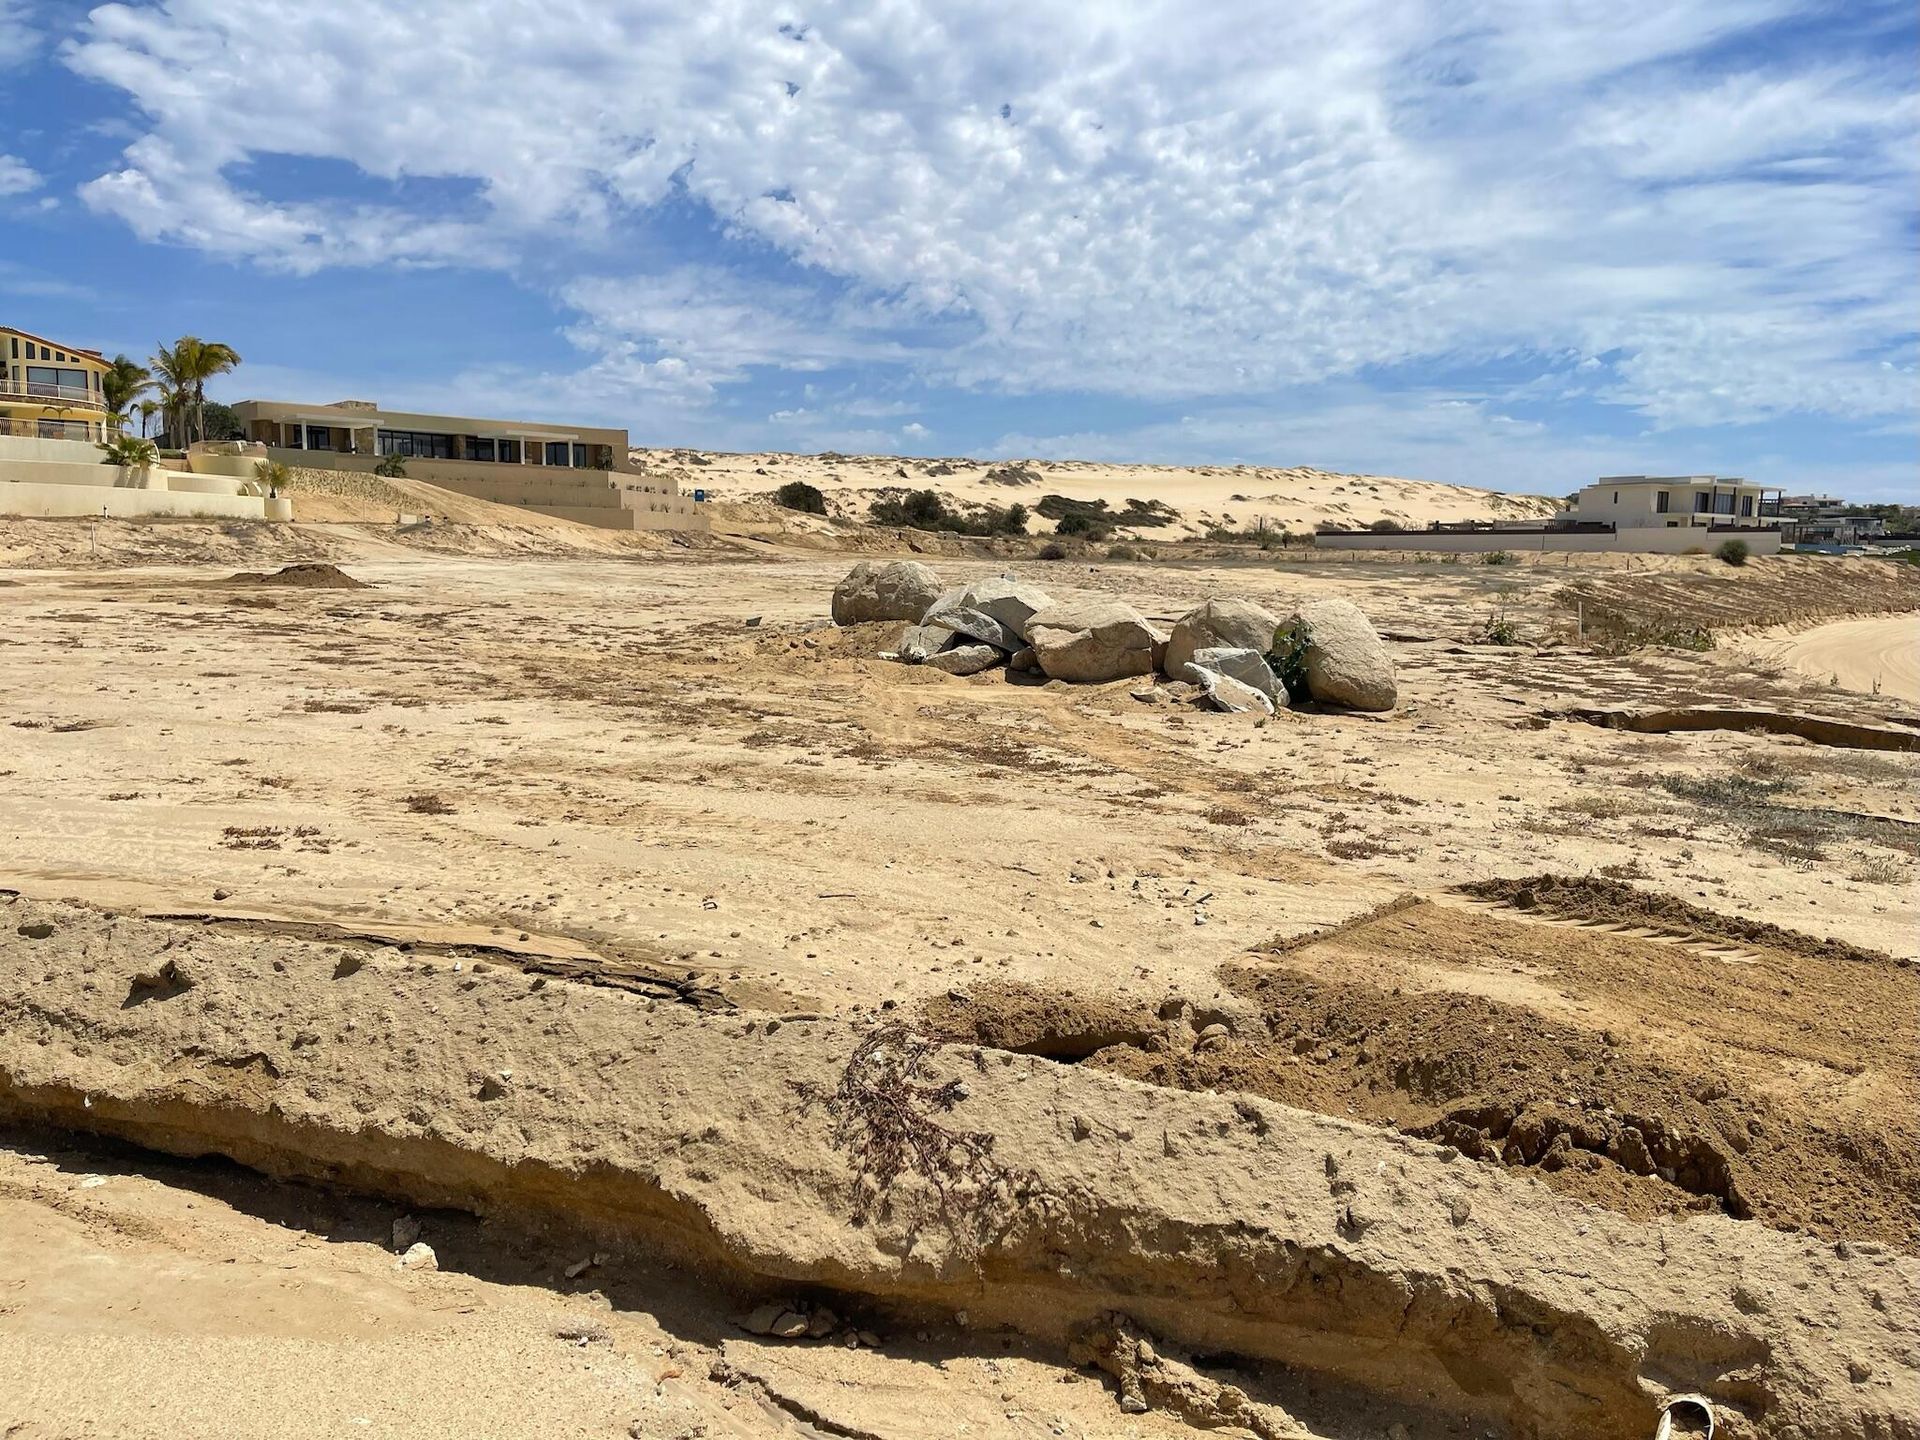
1673 480
358 414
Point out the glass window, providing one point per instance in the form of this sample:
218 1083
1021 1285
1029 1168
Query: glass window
480 447
1723 504
1660 501
1746 504
1701 501
294 436
579 457
509 452
556 452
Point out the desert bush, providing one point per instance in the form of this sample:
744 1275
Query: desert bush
1122 552
1288 657
1385 527
391 467
926 510
1053 550
886 1114
1497 557
1732 552
1081 524
799 495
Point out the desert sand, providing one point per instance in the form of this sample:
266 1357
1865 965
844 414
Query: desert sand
1197 498
1475 1068
1879 656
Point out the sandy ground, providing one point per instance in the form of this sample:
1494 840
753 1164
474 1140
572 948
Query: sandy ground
1880 656
1197 498
675 763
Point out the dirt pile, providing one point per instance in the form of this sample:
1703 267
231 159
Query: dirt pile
311 575
1375 1268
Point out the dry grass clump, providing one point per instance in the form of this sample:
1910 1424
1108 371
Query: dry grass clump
885 1112
427 803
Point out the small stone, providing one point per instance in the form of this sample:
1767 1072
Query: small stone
37 929
578 1268
406 1232
790 1326
1859 1371
1459 1208
348 964
221 894
869 1339
822 1323
762 1319
419 1256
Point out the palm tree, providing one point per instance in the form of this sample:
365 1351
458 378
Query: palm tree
124 383
185 368
148 409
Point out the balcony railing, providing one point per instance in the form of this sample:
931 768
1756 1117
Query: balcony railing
94 430
37 391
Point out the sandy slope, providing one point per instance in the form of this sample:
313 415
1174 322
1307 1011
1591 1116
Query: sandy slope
1237 497
1880 656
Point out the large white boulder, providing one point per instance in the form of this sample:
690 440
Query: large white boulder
994 610
1091 641
898 590
1220 624
1345 660
1227 693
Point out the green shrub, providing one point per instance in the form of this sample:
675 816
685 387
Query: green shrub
926 510
1496 557
129 451
391 467
1288 657
1733 552
1122 552
799 495
1053 550
1079 523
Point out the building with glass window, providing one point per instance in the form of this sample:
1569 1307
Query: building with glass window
50 391
1674 502
573 472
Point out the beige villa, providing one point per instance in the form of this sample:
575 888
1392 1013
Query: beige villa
573 472
50 390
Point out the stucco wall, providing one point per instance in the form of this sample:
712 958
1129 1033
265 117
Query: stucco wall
46 501
1643 540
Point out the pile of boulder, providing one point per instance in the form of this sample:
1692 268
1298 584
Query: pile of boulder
1239 656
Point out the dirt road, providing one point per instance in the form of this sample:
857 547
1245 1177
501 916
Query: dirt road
1880 656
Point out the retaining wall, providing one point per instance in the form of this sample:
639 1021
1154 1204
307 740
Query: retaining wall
1629 541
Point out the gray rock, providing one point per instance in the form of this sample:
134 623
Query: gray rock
1346 661
1220 624
1229 694
966 659
1011 602
1024 661
1249 667
1091 641
923 641
762 1319
899 590
974 625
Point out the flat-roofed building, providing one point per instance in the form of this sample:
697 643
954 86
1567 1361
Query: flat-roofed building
574 472
1673 502
50 390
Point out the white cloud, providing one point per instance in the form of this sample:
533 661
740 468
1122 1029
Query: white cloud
19 41
16 176
1145 200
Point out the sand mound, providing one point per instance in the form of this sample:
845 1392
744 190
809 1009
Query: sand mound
311 575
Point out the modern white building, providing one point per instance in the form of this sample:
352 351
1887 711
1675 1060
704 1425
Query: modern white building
1673 502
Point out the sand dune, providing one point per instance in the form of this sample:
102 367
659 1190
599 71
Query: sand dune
1201 497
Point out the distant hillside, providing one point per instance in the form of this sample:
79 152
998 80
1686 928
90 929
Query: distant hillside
1149 501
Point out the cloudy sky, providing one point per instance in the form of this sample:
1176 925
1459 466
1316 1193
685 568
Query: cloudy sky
1491 241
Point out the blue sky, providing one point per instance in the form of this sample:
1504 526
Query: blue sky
1486 241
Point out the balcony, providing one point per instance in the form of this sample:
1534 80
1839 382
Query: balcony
54 429
34 392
